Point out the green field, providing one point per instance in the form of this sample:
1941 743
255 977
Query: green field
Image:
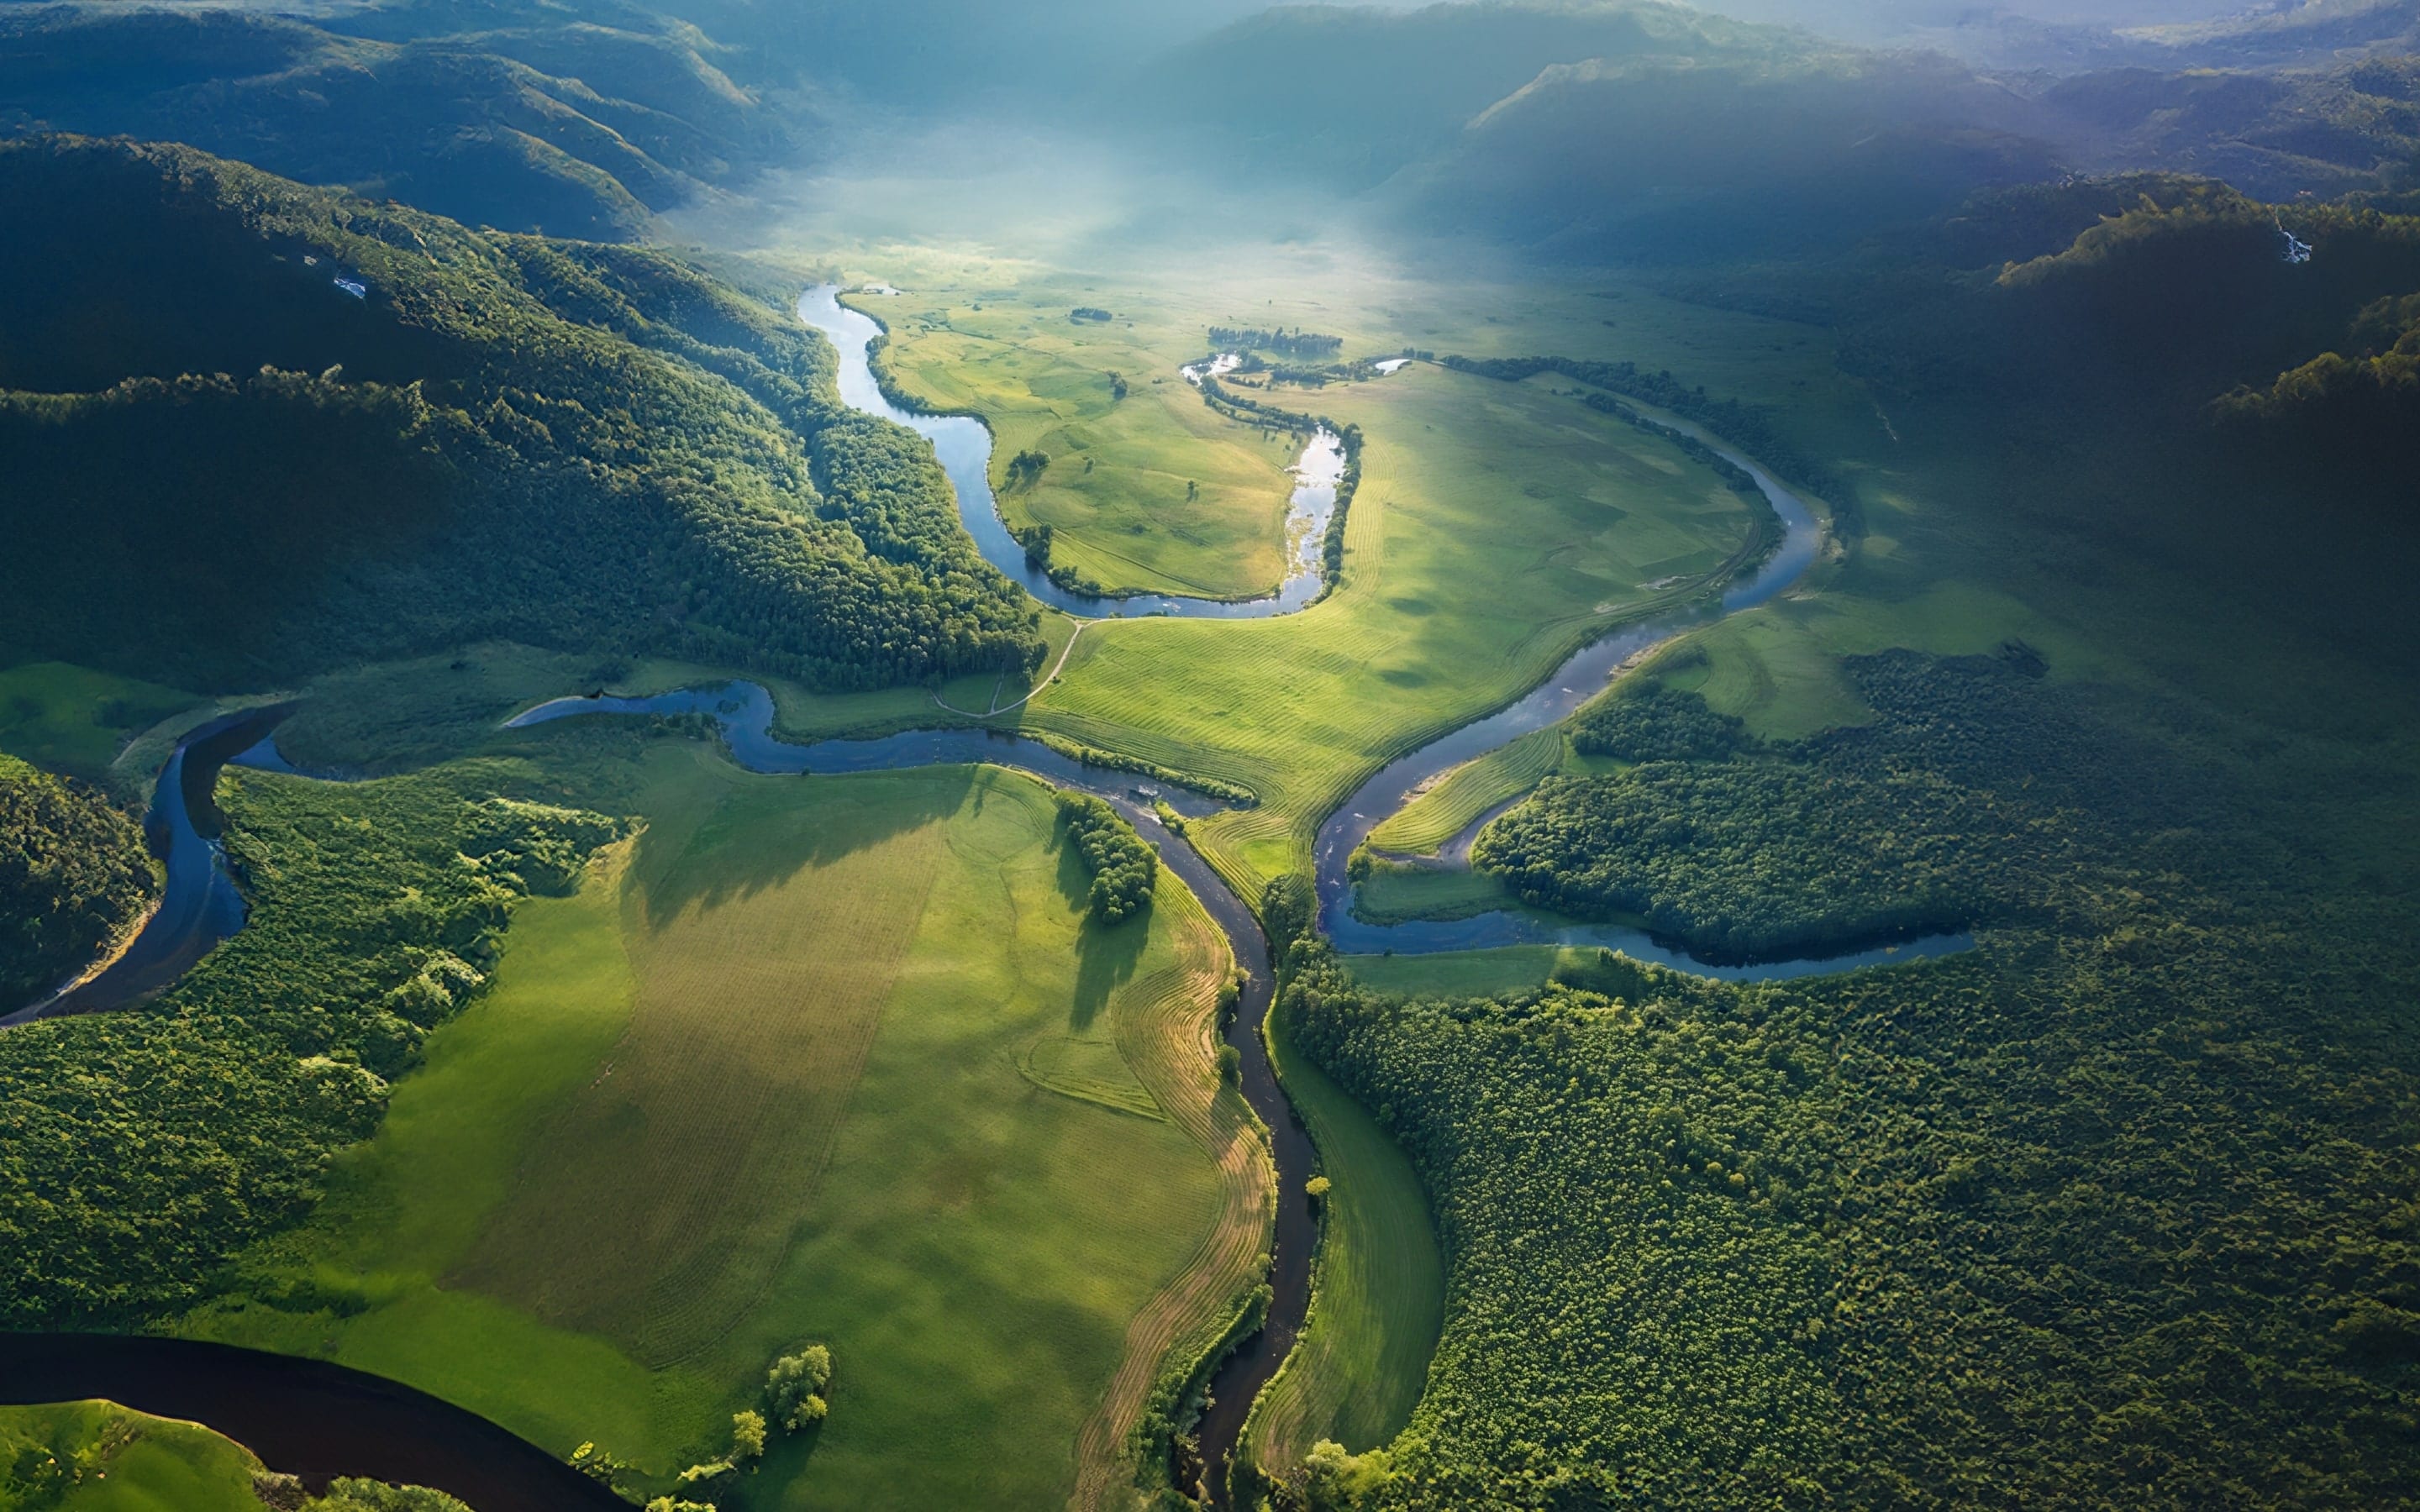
1377 1287
98 1456
1152 492
74 720
1467 485
835 1060
1458 973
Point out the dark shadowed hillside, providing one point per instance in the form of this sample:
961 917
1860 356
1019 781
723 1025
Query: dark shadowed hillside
1587 163
528 122
1352 94
323 430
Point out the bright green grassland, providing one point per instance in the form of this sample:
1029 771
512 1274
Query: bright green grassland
1152 492
768 1079
1377 1288
98 1456
1467 486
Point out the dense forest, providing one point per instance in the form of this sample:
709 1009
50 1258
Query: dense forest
1967 784
2131 1185
566 444
74 876
139 1151
526 117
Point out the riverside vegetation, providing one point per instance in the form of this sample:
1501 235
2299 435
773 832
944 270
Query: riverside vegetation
75 877
573 445
98 1456
2108 658
1903 1214
377 911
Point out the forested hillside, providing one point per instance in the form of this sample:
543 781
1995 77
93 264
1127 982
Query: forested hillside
143 1149
2130 1187
256 430
524 118
1351 94
75 877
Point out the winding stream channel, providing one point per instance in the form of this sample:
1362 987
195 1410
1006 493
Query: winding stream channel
963 444
201 906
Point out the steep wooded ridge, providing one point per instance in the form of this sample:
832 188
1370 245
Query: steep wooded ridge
228 467
2131 1188
529 118
73 877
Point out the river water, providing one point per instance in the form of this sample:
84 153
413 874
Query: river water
258 1397
304 1417
200 904
964 445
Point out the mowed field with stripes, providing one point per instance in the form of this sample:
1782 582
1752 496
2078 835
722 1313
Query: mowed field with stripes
840 1061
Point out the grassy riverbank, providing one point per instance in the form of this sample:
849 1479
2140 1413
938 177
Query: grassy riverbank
838 1060
1468 486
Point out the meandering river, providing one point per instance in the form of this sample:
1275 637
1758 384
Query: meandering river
286 1405
963 444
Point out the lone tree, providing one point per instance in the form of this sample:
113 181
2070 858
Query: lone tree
794 1388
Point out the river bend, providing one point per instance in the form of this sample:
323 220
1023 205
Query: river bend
268 1402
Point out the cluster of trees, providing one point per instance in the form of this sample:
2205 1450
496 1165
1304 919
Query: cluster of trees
561 444
1123 868
1025 468
2127 1186
1093 313
1281 340
795 1387
794 1395
140 1151
1931 817
74 876
352 1493
1644 720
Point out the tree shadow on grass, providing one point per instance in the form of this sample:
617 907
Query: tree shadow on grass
760 837
787 1459
1106 955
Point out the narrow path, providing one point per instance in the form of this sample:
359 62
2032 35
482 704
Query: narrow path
1044 681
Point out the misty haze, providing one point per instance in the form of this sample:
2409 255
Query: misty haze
1133 755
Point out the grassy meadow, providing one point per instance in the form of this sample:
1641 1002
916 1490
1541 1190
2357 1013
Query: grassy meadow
838 1060
1466 487
75 719
1150 493
98 1456
1497 528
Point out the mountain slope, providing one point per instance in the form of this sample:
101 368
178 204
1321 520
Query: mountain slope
571 126
1780 154
1352 94
230 468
